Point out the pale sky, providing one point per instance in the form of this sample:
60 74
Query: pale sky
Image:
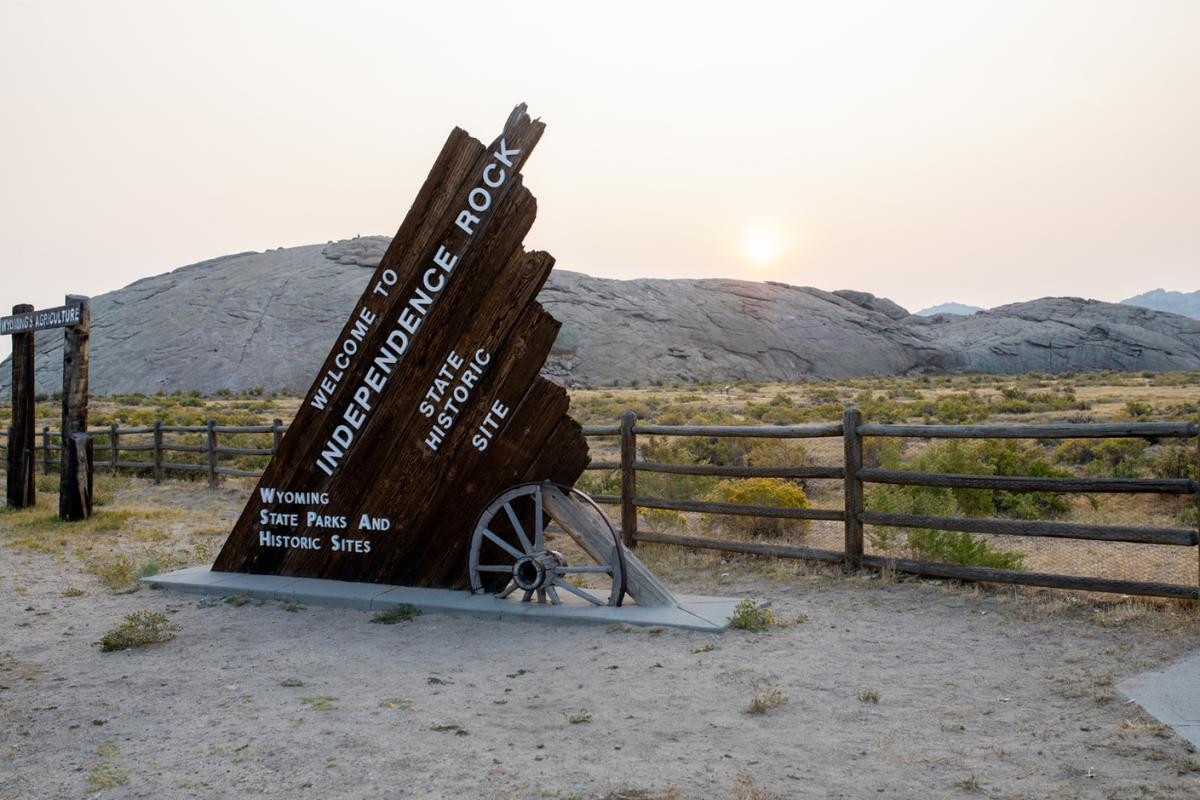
982 152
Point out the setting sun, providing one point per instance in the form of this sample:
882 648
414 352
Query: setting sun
762 246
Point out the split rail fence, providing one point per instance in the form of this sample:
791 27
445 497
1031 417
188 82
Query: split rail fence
851 474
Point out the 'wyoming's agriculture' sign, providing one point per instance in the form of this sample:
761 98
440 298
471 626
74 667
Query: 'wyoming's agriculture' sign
28 321
430 401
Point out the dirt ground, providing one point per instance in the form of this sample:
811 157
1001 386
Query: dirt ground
893 690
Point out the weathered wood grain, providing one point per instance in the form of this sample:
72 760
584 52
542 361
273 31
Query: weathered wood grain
628 478
21 487
756 431
1185 537
992 575
74 501
726 471
853 486
751 548
429 495
1022 484
595 538
1057 430
737 509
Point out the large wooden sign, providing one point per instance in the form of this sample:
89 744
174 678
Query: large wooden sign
429 402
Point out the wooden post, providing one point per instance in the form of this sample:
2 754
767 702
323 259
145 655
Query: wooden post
77 463
45 451
112 444
628 479
276 434
74 462
851 419
212 454
158 451
22 489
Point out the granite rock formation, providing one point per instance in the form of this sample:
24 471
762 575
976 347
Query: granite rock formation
267 319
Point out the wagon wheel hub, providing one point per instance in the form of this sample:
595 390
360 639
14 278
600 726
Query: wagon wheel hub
537 571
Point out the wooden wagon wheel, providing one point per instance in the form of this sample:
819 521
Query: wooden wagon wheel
521 553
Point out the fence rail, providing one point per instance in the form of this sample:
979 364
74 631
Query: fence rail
851 474
109 448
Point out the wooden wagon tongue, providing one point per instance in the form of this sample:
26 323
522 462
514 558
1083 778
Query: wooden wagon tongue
430 401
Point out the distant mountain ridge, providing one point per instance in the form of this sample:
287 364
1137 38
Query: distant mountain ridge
1184 303
948 308
268 319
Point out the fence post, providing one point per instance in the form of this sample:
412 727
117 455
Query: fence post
158 451
74 465
628 478
112 443
75 485
276 435
212 454
851 419
20 455
45 451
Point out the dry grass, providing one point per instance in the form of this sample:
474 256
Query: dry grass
104 774
745 789
142 530
766 697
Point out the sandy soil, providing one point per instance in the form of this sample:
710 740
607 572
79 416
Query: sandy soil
980 694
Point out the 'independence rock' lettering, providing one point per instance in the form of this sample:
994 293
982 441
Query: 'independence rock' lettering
410 317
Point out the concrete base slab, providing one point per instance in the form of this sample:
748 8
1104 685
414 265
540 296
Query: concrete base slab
694 612
1172 695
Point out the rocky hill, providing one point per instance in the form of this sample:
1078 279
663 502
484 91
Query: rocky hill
1185 303
267 319
948 308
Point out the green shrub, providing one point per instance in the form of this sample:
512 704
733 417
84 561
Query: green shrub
1189 517
1002 457
1116 458
748 616
887 498
776 492
398 613
117 573
777 453
139 629
963 458
1138 409
961 548
1174 461
662 519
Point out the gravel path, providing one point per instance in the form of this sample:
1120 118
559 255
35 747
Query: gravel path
980 694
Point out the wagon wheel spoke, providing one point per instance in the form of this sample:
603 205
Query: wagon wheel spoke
539 533
508 548
494 568
512 517
553 596
575 590
597 568
528 594
512 587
